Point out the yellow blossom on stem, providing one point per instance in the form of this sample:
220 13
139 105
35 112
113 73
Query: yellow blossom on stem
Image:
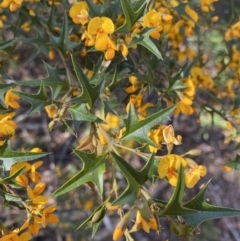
10 99
7 128
22 179
193 172
102 43
33 224
79 13
12 4
146 223
34 194
51 110
14 236
153 19
169 136
168 167
191 13
47 216
100 25
89 39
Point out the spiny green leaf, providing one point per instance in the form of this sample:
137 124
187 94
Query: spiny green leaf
89 93
63 42
138 129
52 80
92 171
143 39
79 112
12 177
132 12
38 101
196 210
9 157
94 10
10 197
8 43
135 179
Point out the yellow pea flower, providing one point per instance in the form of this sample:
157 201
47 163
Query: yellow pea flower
146 223
193 173
12 4
102 43
169 136
34 194
89 38
134 85
153 19
51 110
33 224
22 179
79 13
168 167
13 236
10 99
48 216
100 25
191 13
7 128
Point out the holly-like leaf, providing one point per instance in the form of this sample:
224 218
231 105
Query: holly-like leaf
132 12
38 101
9 157
12 177
52 80
89 93
63 42
94 10
39 42
8 43
143 39
92 171
138 129
135 179
79 112
196 210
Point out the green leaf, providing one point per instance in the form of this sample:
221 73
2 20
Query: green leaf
138 129
143 39
135 179
132 12
52 80
8 43
39 42
89 93
38 101
11 178
92 171
9 157
80 113
10 197
196 210
94 10
235 164
63 42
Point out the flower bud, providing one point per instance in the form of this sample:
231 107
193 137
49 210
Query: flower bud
98 215
121 226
